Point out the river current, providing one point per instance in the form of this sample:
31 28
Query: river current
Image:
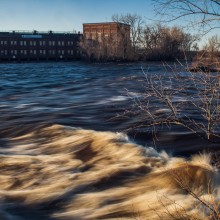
89 96
71 147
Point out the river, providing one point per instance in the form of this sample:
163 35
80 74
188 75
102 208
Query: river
71 146
90 96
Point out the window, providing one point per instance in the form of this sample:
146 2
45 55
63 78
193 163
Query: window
35 52
12 42
25 43
50 52
5 42
44 52
14 52
21 43
21 51
34 43
41 43
15 42
99 36
25 52
62 43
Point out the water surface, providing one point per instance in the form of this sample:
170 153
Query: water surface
64 152
90 96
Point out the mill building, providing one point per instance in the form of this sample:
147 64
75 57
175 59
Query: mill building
107 29
24 45
34 45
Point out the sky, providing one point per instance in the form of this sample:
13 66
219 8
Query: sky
65 15
69 15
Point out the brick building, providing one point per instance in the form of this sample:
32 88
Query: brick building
96 31
109 40
18 45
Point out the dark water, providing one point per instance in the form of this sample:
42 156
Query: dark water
89 96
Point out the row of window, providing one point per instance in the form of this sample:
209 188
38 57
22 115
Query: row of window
34 43
15 52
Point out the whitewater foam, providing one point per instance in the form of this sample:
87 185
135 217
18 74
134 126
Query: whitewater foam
61 172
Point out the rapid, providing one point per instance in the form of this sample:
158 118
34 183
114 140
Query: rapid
65 152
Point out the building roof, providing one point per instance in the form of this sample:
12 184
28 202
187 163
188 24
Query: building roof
39 32
106 23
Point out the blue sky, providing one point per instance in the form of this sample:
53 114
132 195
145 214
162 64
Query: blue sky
65 15
68 15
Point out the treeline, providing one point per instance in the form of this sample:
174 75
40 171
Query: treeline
147 42
208 58
157 42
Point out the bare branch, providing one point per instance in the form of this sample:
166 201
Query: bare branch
202 13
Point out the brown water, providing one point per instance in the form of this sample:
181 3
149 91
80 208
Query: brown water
69 173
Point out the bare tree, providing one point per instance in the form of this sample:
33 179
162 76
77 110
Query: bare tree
106 48
200 13
209 57
161 42
213 44
136 22
191 102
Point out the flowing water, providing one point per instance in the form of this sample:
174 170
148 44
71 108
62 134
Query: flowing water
65 154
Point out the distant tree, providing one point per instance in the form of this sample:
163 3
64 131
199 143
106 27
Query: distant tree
162 42
106 48
213 44
124 47
136 22
145 42
86 47
210 54
199 13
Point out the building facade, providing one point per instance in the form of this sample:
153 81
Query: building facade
110 40
99 40
18 46
114 30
